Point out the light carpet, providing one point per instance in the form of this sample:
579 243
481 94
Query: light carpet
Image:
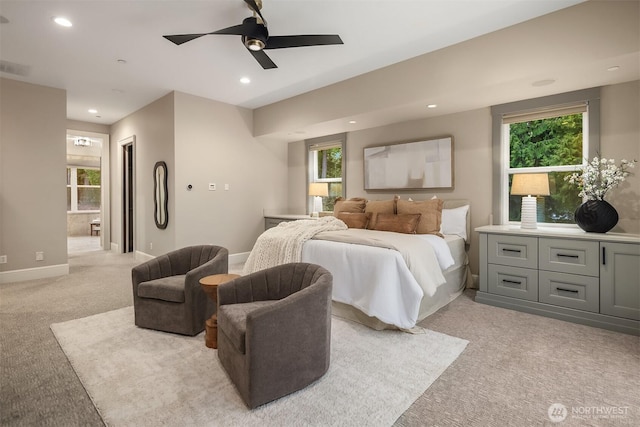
142 377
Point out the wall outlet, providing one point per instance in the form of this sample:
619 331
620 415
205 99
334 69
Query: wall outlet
226 187
212 187
39 256
3 259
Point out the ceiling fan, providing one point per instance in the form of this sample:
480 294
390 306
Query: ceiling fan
255 36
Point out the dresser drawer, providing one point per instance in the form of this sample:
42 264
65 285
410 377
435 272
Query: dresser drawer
515 251
513 282
569 256
569 290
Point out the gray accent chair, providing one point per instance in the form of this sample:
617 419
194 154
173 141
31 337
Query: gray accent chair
274 330
167 295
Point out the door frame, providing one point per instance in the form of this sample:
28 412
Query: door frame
122 144
105 199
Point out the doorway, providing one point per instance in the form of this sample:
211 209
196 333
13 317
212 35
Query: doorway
87 191
128 195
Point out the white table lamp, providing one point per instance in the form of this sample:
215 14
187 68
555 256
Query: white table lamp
529 185
318 190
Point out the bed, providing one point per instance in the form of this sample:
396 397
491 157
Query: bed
383 279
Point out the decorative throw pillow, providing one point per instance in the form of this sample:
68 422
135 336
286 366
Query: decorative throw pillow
454 221
376 207
406 223
355 204
431 211
355 220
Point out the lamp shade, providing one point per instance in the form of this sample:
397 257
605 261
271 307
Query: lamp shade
530 184
319 189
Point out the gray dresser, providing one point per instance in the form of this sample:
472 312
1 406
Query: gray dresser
564 273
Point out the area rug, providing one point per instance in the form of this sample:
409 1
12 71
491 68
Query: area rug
139 377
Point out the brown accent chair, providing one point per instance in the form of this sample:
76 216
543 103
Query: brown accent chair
167 295
274 330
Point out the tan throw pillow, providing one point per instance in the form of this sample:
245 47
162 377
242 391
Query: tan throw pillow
406 223
355 220
354 205
431 211
376 207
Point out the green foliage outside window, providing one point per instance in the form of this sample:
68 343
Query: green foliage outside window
555 141
329 166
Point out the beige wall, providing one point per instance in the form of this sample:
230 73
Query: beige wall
153 129
620 139
471 131
202 141
214 144
33 212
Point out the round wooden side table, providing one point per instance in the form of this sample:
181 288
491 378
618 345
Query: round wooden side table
210 285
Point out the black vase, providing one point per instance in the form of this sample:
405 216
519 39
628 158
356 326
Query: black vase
596 216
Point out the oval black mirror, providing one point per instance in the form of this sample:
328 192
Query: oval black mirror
160 196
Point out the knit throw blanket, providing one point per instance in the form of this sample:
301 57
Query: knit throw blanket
283 244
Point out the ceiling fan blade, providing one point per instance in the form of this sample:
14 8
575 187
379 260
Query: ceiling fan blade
238 30
263 59
281 42
252 4
183 38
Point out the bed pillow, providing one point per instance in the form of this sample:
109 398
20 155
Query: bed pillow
376 207
454 221
406 223
355 205
355 220
431 214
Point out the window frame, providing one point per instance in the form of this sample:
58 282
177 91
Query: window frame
74 186
313 145
500 142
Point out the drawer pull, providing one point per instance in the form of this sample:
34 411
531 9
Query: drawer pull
511 250
568 256
511 282
573 291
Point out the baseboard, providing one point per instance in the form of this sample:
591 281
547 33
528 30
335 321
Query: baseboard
34 273
142 256
115 247
238 258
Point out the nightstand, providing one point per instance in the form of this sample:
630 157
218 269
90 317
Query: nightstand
273 220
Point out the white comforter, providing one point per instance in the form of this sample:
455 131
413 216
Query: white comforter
385 283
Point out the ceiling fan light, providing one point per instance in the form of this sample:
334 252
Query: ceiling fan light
254 44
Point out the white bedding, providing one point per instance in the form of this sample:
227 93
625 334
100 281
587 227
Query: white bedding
383 283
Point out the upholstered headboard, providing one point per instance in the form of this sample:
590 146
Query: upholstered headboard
457 203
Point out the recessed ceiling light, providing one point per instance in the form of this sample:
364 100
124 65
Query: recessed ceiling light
62 21
92 110
432 106
614 68
545 82
245 80
353 122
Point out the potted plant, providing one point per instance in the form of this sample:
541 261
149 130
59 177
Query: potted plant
594 181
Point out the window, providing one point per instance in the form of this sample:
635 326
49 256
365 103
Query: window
325 164
83 189
553 135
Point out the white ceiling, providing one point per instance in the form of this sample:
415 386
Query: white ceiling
84 59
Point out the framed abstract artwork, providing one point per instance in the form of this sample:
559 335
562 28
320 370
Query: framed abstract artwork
415 165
